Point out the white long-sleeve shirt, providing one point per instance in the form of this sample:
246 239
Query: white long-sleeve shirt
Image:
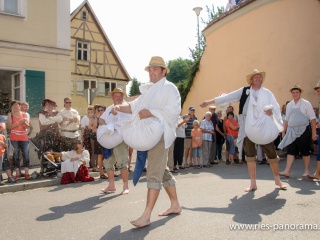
163 100
70 129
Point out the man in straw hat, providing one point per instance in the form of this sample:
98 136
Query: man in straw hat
316 175
296 133
254 95
119 152
163 102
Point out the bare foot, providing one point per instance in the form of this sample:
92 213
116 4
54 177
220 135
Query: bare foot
284 174
125 191
108 189
171 210
251 189
281 186
313 176
141 222
305 174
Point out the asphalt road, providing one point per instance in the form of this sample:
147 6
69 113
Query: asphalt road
213 201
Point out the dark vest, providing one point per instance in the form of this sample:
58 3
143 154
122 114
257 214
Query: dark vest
52 127
243 99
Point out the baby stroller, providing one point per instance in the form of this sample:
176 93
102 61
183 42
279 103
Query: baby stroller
44 142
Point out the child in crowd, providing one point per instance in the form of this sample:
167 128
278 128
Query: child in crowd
196 136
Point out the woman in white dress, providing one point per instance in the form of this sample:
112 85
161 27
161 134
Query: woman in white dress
74 165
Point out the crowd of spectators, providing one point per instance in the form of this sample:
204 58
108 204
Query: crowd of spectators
220 133
199 143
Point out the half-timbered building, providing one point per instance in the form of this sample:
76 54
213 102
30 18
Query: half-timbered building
96 69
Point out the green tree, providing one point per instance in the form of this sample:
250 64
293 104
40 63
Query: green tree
134 89
179 70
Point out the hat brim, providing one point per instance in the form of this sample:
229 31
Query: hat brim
49 101
249 77
296 88
147 67
111 93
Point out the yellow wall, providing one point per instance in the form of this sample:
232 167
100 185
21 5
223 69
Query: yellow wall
281 37
32 29
32 43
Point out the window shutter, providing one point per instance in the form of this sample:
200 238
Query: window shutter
35 91
121 86
80 86
101 88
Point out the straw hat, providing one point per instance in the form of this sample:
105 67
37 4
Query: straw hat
157 62
256 72
296 87
116 90
318 86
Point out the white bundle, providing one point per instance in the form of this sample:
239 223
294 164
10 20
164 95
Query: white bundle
142 134
261 128
108 136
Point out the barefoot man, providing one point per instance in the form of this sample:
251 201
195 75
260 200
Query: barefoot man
296 134
254 99
119 152
159 99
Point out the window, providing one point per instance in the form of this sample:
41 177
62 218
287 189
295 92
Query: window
11 7
83 50
16 86
84 15
88 84
95 87
109 86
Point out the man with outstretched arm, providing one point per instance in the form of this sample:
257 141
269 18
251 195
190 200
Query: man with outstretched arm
256 102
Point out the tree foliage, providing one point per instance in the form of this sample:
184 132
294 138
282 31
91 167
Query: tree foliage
212 14
134 89
179 69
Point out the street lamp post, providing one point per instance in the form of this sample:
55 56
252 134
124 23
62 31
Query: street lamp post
197 11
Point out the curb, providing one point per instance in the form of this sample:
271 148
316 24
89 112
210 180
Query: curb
24 185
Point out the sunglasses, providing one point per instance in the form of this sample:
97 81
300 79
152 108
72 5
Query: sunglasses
100 110
67 102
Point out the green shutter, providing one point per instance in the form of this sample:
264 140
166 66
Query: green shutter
35 91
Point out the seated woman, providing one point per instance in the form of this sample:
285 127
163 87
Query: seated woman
74 164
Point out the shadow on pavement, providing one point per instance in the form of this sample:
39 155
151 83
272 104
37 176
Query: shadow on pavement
303 185
76 185
135 233
85 205
246 209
